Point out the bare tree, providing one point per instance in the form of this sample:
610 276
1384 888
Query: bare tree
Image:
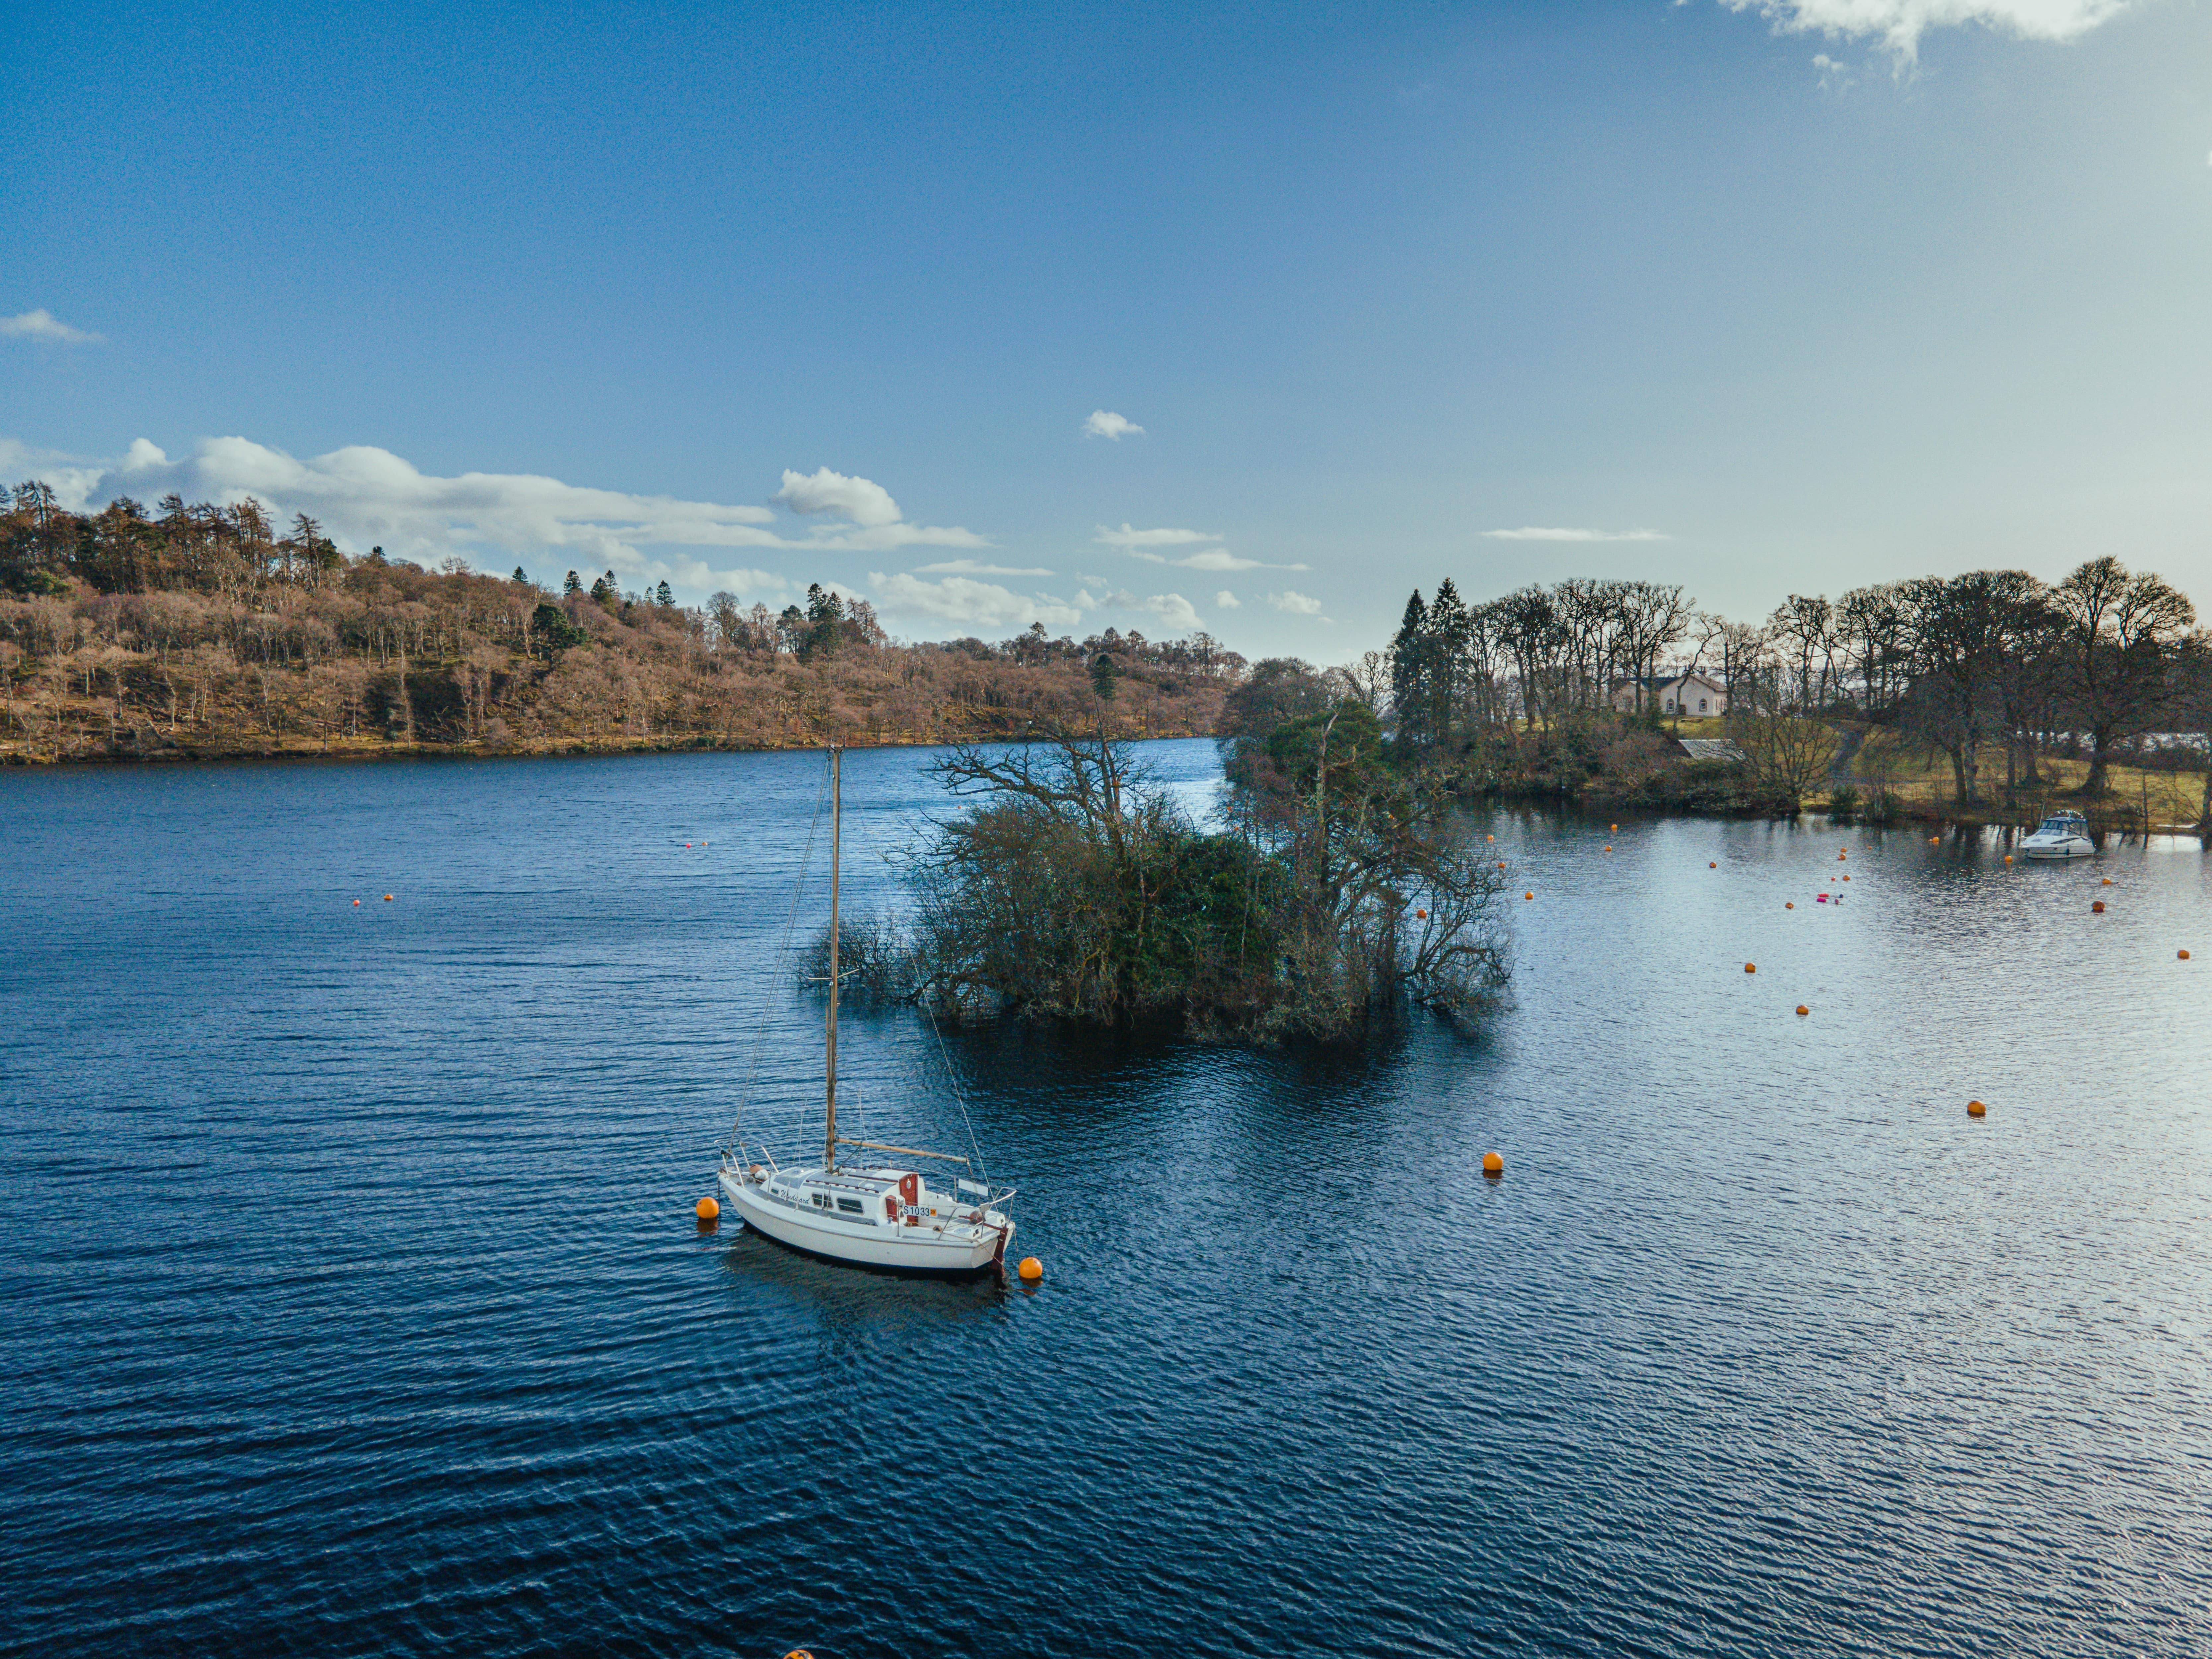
2119 631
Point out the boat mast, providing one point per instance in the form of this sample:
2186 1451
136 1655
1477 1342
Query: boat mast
836 824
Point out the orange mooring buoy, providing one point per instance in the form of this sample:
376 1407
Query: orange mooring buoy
1803 1009
1492 1165
1975 1109
1420 916
707 1209
1714 865
1032 1270
2008 858
357 904
1846 877
2097 908
1750 967
1527 895
2184 956
1790 904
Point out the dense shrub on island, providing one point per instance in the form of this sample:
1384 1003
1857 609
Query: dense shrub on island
1334 897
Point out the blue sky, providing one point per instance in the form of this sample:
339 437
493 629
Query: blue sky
1774 299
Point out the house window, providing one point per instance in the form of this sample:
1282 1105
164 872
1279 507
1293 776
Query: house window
1701 705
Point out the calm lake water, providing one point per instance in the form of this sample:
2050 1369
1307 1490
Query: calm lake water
355 1303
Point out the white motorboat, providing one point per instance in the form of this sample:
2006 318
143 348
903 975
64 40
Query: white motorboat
2061 836
878 1213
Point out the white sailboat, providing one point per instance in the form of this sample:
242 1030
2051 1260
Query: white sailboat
878 1213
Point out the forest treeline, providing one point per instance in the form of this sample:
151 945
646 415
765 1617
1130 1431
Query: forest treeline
1556 689
200 629
196 629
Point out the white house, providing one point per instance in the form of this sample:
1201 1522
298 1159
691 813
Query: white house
1678 694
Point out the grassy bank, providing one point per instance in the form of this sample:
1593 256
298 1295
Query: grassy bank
1927 789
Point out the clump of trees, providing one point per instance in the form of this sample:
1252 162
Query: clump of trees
1074 887
1536 691
199 629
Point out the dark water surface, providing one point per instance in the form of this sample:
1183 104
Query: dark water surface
354 1303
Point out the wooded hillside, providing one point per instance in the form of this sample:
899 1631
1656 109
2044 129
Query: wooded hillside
200 630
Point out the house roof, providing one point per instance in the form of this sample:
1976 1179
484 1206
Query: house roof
1663 681
1712 748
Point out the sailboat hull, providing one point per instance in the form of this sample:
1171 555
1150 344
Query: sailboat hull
955 1251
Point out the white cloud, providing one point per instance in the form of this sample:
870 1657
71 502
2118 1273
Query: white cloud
824 491
1129 538
970 603
1218 559
1225 600
744 583
970 568
1294 603
74 481
43 324
366 496
1105 423
1538 533
1138 543
1174 610
1900 23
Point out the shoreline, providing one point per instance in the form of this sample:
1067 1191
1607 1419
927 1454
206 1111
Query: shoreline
370 751
374 749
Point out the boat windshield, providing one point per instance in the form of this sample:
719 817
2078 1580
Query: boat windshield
2065 826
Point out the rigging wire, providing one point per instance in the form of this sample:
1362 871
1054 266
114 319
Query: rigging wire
975 1149
782 955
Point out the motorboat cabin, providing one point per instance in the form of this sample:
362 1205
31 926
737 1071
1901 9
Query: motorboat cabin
2061 836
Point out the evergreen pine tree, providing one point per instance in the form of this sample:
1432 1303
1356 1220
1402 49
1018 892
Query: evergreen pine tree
1444 632
1409 675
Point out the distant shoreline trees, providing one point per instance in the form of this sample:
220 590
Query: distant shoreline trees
204 630
1966 664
